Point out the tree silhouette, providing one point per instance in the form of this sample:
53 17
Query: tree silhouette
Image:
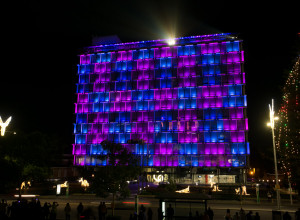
27 157
121 167
288 133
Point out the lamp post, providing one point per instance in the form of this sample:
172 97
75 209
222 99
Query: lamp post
272 125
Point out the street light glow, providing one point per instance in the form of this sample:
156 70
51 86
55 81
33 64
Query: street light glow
171 41
3 125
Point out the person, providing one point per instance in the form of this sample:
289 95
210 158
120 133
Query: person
149 214
99 211
190 215
46 210
210 213
297 214
159 213
286 216
142 215
228 216
53 211
269 195
170 212
205 216
135 216
103 211
38 209
3 206
256 217
143 209
142 212
130 217
68 211
236 216
249 215
242 214
197 216
79 210
8 210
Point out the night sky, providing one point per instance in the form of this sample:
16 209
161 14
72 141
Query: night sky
41 40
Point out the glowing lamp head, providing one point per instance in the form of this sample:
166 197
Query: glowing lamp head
3 125
171 41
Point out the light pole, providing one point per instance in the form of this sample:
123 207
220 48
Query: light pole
272 125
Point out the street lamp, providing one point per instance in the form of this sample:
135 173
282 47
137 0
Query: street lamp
272 125
3 125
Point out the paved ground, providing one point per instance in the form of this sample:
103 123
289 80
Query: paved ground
126 207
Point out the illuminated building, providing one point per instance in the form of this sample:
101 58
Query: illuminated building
186 102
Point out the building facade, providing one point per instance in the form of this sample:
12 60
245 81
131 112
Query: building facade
186 101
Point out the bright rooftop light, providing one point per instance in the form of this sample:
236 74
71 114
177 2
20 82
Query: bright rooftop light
171 41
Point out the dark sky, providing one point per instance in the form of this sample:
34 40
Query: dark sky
42 39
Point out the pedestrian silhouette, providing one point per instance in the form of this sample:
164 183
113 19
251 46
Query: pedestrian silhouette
286 216
159 214
205 216
297 214
103 211
197 216
68 211
46 210
79 210
170 212
131 217
242 214
53 211
256 217
99 211
135 216
210 213
249 215
149 214
190 215
236 216
142 214
228 216
143 209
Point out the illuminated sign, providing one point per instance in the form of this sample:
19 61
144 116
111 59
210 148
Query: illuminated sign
160 178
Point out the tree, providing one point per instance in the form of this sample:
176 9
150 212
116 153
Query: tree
27 157
288 141
121 167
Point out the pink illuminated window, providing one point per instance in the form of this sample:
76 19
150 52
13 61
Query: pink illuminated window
204 48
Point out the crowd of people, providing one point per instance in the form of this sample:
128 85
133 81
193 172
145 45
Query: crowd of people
242 215
206 215
169 215
23 209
